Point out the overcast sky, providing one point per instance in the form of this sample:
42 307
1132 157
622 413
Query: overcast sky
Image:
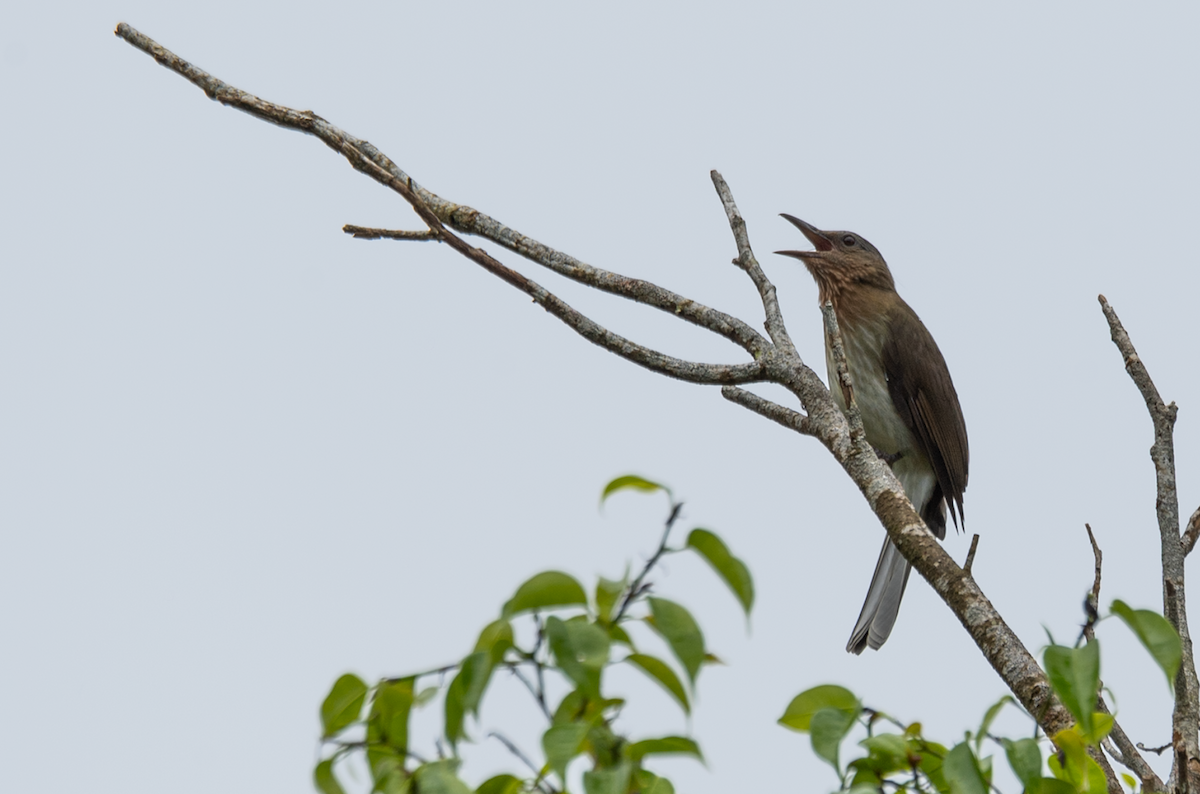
242 453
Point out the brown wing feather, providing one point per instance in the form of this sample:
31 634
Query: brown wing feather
924 396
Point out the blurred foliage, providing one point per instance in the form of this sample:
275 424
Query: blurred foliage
574 639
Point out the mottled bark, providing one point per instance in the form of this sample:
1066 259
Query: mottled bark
775 360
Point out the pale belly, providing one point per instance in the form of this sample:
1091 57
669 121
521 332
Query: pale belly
885 430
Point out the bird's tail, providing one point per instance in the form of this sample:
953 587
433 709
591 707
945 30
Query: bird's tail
883 600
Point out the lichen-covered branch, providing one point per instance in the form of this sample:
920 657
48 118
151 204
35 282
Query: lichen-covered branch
1188 541
366 233
775 360
776 328
792 420
1187 691
459 217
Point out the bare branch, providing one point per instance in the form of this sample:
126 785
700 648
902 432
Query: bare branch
776 363
1129 757
853 415
595 333
776 328
792 420
460 217
1123 752
1186 717
971 554
1191 533
1155 750
366 233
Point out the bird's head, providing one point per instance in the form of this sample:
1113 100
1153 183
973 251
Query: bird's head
842 261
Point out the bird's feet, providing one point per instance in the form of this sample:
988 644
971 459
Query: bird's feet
888 457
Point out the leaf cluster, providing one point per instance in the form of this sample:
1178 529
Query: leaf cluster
895 756
575 640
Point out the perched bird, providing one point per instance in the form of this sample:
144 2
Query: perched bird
909 407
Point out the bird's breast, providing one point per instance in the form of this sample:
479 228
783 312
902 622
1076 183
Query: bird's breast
863 342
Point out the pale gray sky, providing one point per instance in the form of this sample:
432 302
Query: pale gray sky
243 453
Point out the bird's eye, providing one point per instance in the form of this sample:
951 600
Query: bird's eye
848 240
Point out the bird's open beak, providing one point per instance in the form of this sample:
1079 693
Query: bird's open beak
814 235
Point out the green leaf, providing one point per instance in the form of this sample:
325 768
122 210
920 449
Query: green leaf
543 591
390 711
730 568
610 780
324 779
387 767
424 696
886 752
827 728
962 771
1074 674
679 629
800 711
989 718
607 593
618 634
561 743
1080 769
661 672
932 757
1157 634
343 705
581 651
667 745
501 784
465 692
1102 725
650 783
496 638
439 777
636 483
1025 758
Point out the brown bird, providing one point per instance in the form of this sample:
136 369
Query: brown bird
909 407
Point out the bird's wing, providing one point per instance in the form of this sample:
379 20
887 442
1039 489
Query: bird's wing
924 396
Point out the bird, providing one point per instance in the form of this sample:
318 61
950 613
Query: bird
909 407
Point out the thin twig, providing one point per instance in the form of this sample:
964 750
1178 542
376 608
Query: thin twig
539 668
857 433
1092 605
635 589
1191 533
363 745
541 784
1155 750
1128 755
460 217
746 260
792 420
435 671
1186 715
971 554
367 233
513 667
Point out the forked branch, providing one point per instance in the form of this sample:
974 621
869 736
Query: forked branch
774 360
1174 548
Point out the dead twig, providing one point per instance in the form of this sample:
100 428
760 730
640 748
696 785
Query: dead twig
366 233
971 554
1186 715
